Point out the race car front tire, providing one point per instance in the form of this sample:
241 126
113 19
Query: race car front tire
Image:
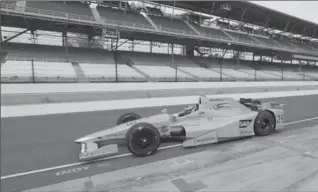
143 139
264 123
127 117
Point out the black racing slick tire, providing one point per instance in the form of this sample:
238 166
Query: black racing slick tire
264 123
127 117
143 139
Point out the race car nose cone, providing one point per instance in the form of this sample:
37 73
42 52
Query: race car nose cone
81 140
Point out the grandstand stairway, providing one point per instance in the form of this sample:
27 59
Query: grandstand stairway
131 64
196 78
96 14
192 27
256 40
79 73
151 21
197 62
230 36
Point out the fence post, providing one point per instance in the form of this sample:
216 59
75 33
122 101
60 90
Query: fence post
33 78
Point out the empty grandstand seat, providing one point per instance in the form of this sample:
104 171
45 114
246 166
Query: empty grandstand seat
156 66
106 72
86 55
201 73
307 47
163 73
238 75
72 9
290 75
36 52
229 69
172 25
241 37
310 75
192 68
54 71
118 16
261 75
16 71
211 32
269 42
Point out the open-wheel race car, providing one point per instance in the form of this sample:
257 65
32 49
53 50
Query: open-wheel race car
211 120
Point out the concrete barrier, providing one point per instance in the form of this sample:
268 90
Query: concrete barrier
124 93
110 87
75 107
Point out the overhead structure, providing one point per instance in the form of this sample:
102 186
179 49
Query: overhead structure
251 13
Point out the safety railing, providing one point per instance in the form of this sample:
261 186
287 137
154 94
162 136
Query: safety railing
45 13
133 25
36 78
126 24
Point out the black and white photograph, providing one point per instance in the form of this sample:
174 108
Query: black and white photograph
159 96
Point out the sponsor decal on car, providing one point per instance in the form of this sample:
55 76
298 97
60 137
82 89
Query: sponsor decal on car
244 123
246 132
204 140
223 106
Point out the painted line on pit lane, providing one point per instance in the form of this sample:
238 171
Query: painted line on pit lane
112 157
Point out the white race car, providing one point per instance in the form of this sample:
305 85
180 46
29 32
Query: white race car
209 121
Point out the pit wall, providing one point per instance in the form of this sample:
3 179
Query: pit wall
114 87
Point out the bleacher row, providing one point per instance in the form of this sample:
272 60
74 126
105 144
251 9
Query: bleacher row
170 24
26 62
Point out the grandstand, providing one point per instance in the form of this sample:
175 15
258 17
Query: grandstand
113 41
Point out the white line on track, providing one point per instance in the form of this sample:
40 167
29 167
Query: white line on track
109 158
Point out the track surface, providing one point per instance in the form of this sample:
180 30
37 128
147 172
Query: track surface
29 143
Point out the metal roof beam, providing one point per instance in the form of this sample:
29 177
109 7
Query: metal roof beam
14 36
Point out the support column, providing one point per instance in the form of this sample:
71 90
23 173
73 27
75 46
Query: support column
190 51
32 66
89 41
253 58
65 44
173 63
221 64
272 59
150 46
0 31
238 60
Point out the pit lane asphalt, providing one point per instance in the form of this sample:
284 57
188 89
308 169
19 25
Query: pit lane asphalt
29 143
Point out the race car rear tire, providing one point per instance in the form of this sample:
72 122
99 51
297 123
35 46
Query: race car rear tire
143 139
264 123
127 117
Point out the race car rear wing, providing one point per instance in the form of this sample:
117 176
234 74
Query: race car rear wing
257 104
250 103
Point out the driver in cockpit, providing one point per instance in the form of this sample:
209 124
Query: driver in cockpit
190 109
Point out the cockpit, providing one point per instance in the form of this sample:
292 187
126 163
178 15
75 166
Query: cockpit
190 109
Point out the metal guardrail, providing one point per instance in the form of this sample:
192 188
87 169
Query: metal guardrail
35 77
46 13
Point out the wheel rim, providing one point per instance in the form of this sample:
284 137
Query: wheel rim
265 124
143 139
